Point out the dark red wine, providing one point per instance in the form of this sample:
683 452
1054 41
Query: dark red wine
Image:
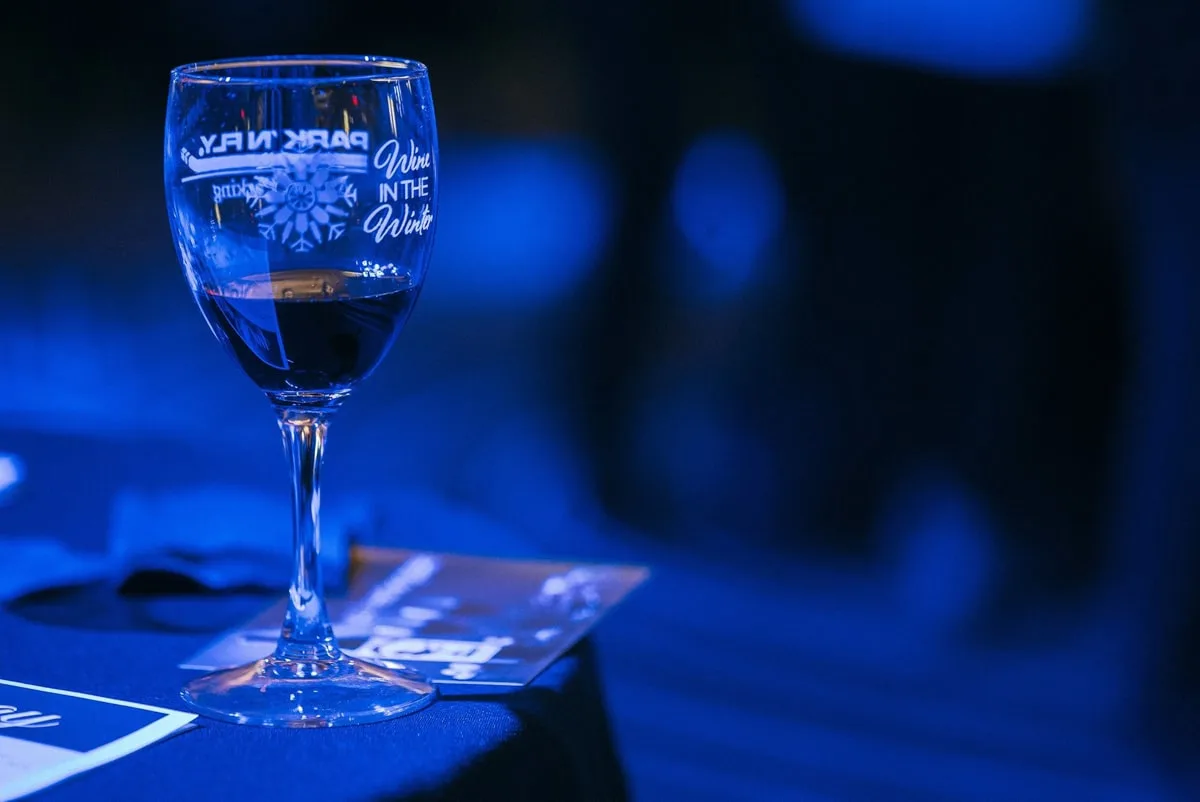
309 331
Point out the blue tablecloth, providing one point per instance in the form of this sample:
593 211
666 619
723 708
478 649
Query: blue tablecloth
548 741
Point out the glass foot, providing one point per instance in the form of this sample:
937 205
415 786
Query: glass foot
273 692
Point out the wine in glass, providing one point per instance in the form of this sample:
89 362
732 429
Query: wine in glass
302 194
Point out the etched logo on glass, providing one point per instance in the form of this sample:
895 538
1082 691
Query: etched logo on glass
412 191
298 187
296 183
303 205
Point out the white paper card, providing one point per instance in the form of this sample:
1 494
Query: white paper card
47 735
464 621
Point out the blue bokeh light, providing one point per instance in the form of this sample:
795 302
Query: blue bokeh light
973 37
12 471
713 473
944 550
521 221
728 203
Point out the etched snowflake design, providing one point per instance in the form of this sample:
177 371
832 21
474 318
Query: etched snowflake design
302 205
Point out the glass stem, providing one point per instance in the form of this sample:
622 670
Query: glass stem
307 634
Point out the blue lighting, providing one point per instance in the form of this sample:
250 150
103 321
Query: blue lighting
974 37
11 473
520 221
944 549
728 203
711 470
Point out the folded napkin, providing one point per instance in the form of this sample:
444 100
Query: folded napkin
39 563
220 537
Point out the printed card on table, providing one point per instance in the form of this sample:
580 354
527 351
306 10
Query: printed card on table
461 620
47 735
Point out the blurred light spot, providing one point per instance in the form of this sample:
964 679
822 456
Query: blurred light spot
944 549
519 221
728 203
11 472
975 37
710 472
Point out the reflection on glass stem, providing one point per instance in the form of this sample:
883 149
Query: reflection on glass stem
307 634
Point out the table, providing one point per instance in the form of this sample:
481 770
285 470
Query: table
549 741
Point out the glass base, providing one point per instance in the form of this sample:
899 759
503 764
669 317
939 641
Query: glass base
273 692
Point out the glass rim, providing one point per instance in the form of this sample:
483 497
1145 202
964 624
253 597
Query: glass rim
357 68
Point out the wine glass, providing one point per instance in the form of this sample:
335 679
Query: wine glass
302 194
